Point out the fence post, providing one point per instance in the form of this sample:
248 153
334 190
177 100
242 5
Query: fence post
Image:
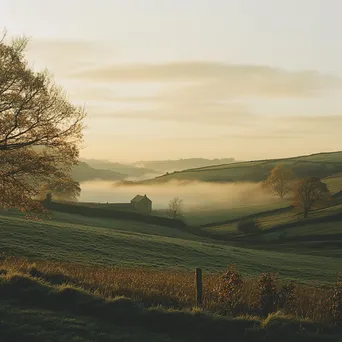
199 287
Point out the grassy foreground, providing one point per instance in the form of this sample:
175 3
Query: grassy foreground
40 306
173 289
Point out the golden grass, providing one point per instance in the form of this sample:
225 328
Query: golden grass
168 288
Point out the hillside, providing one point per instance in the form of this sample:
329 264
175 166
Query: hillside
320 165
100 242
182 164
285 229
83 172
129 170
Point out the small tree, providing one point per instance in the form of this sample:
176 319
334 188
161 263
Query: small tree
307 192
279 182
176 207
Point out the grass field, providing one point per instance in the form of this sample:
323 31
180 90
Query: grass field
78 265
320 165
132 245
37 306
334 182
320 234
202 216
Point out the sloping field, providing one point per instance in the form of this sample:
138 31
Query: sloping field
89 244
320 165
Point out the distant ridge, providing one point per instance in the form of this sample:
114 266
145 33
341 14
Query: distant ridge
322 165
183 164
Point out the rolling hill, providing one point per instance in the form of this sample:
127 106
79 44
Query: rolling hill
94 241
320 165
182 164
128 170
83 172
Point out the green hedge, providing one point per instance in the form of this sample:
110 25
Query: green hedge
114 214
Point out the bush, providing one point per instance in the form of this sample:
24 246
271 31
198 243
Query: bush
286 297
336 305
230 290
268 293
248 226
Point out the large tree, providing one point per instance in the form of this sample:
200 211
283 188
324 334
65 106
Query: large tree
308 192
280 181
40 130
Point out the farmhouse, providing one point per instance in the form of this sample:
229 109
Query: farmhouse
141 204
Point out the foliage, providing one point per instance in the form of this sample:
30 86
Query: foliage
63 189
308 192
270 298
230 290
280 181
40 130
268 292
249 225
336 306
286 296
176 207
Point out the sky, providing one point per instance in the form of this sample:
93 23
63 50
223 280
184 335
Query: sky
169 79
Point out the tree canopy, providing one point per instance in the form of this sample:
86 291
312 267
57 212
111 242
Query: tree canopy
40 130
279 182
63 189
309 191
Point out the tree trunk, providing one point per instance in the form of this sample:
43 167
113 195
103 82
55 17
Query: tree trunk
306 212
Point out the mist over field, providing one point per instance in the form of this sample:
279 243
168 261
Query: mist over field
196 195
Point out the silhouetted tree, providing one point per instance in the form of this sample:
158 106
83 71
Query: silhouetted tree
40 131
176 207
280 181
308 191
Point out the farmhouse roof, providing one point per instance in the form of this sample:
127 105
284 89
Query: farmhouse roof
139 198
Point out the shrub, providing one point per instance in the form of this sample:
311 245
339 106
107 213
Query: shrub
267 284
249 226
336 305
286 296
231 289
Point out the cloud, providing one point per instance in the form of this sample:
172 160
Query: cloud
62 55
210 114
228 79
204 92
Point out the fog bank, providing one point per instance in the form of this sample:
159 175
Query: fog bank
194 194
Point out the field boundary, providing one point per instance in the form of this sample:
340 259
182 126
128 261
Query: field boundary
114 214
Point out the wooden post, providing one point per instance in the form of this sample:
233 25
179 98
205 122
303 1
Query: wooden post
199 287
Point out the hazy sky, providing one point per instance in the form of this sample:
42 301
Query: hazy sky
164 79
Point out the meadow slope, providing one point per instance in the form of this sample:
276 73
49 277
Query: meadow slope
116 243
